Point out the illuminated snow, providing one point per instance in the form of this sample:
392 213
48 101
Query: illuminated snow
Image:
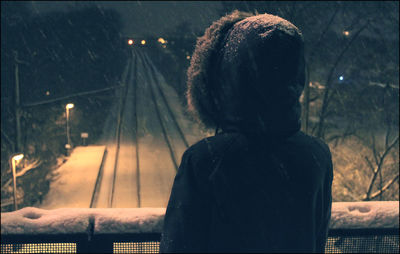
74 184
153 105
268 20
76 179
383 214
373 214
76 220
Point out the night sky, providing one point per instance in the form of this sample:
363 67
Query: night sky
146 18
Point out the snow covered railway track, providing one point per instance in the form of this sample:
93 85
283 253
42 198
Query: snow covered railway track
96 189
112 180
150 127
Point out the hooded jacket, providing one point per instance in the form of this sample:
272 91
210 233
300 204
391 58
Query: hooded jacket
260 184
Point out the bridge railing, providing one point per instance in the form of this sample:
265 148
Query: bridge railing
356 227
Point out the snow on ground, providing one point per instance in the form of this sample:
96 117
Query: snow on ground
76 179
373 214
39 221
76 220
129 220
29 220
158 138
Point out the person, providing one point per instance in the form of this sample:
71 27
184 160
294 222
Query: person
260 184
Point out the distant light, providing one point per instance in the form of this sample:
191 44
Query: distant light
47 93
161 40
69 106
346 33
187 57
18 157
143 42
341 78
164 46
67 146
130 42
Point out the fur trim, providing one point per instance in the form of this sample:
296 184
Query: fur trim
200 100
247 72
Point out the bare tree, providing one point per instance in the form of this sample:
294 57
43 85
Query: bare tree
377 164
6 188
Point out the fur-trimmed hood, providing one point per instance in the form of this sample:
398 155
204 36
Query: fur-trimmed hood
247 74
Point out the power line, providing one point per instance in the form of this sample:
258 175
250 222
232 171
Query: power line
70 96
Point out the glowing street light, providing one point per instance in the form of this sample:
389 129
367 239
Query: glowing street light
67 108
341 78
346 33
130 42
14 160
143 42
161 40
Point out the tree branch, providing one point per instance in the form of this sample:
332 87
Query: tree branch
369 164
8 139
384 188
326 29
326 96
31 165
379 166
374 152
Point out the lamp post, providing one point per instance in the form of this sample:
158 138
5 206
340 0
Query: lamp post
14 159
67 108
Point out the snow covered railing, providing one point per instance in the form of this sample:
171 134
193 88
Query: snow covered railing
367 226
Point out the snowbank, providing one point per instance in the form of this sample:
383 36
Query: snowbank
373 214
76 179
32 220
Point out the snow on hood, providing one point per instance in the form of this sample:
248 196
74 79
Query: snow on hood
30 220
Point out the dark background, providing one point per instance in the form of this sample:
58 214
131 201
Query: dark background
64 49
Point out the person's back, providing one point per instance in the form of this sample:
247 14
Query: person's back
260 184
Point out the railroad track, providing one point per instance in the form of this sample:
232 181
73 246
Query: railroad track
162 113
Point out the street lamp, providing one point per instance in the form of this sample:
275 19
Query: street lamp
161 40
67 108
14 160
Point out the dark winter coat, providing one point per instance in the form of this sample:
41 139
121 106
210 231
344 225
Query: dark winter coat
233 193
260 185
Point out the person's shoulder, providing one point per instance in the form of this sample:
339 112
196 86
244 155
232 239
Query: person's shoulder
211 146
203 155
310 144
200 158
316 142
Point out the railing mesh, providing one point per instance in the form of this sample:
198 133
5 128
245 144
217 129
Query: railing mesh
136 247
363 244
334 244
39 248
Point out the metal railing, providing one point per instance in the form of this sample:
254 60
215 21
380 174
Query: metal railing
356 227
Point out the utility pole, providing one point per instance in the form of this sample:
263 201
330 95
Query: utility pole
17 105
18 111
